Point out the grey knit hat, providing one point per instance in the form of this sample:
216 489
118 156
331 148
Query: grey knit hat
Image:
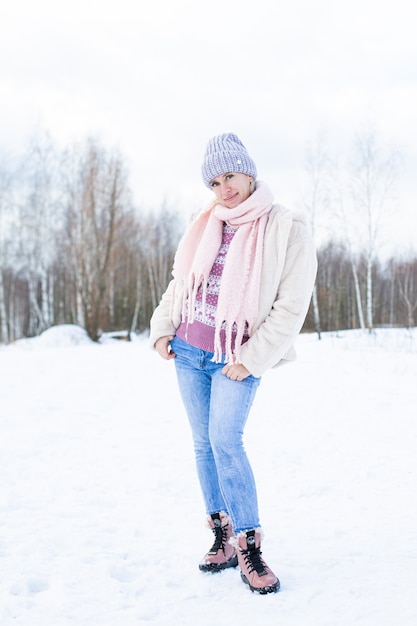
226 153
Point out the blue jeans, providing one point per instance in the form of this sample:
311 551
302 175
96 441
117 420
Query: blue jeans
217 409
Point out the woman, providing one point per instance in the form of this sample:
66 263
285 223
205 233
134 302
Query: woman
242 281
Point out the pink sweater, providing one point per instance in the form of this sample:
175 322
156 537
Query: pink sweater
200 333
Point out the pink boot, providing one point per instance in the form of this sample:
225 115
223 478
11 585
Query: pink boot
221 555
253 569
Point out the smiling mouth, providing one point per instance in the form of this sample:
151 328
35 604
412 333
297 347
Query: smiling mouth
230 198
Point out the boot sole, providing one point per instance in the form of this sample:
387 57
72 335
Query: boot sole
213 568
261 590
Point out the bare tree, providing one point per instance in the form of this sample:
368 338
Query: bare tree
407 285
38 201
126 294
98 196
316 201
349 237
4 245
160 239
373 173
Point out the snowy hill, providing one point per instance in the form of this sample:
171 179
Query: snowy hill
101 518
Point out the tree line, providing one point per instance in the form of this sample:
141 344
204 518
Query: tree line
74 249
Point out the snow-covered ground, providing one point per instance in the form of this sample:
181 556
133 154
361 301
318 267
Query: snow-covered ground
101 518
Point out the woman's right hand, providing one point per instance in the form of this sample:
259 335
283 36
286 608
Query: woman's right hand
162 346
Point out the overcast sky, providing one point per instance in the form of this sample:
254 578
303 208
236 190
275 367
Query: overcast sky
157 79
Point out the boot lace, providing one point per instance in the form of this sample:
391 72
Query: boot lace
253 561
220 537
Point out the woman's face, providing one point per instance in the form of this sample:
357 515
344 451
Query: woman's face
232 188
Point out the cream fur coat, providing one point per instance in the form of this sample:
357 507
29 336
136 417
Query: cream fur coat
287 280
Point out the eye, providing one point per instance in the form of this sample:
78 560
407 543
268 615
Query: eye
229 176
214 183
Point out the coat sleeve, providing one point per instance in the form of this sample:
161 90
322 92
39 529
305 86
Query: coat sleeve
161 324
276 334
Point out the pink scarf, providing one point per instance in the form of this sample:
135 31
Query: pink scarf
239 290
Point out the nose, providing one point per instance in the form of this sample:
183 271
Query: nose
225 186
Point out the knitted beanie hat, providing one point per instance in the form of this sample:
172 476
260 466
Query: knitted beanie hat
226 153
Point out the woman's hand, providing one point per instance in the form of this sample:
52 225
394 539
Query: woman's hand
162 346
236 371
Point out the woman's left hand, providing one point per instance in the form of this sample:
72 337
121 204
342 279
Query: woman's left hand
236 371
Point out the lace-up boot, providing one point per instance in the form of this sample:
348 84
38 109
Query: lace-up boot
253 569
222 554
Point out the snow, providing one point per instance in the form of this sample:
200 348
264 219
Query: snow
101 517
